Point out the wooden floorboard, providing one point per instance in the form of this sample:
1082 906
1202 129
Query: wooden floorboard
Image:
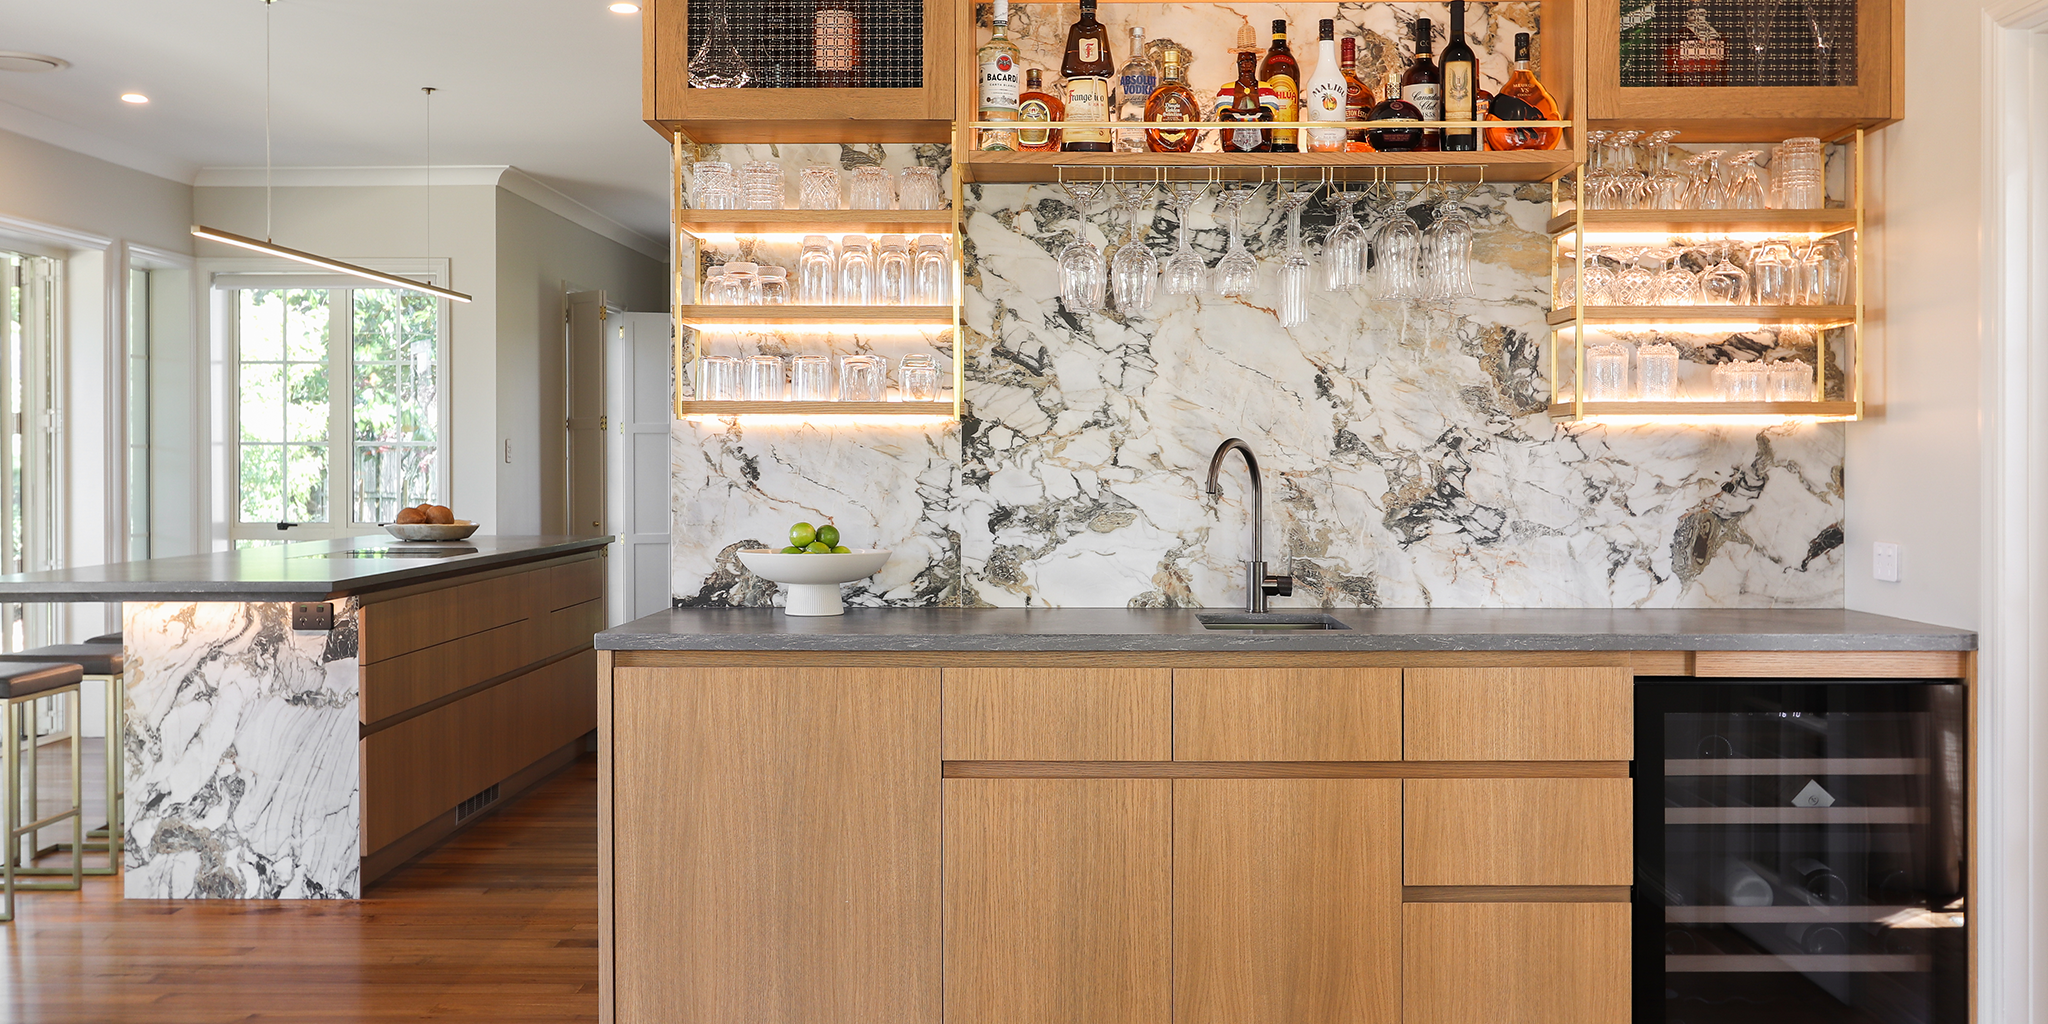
497 924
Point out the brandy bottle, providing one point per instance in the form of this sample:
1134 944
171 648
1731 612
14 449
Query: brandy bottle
1034 104
1522 85
1423 85
1172 101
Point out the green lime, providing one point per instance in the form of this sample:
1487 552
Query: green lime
818 549
792 550
842 550
802 534
828 535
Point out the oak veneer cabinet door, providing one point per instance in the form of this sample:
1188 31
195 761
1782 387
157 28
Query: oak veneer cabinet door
1524 963
1520 832
775 845
1287 901
1336 714
1058 906
1519 714
1059 714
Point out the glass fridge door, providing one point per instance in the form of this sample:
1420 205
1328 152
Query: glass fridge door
1799 853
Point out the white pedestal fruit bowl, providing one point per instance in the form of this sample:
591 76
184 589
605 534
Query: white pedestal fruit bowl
810 581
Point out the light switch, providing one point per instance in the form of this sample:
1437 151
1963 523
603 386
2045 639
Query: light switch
1884 562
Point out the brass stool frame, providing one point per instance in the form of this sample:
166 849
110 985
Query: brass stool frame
20 717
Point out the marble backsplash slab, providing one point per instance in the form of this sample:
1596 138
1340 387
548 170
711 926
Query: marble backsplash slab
1407 457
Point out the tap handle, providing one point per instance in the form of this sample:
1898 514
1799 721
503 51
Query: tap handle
1279 586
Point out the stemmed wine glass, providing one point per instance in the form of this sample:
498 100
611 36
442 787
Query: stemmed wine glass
1344 247
1724 283
1676 286
1294 267
1823 47
1084 275
1134 271
1237 273
1448 243
1185 270
1398 272
1758 18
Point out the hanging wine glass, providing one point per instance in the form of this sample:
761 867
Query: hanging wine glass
1449 244
1185 271
1344 248
1294 267
1134 271
1399 247
1084 276
1237 273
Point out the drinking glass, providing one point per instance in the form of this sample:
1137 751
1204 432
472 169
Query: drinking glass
713 186
1134 270
1607 373
1758 17
1564 279
1237 273
819 188
1740 382
1599 279
872 189
1598 171
1294 266
918 188
765 380
1773 275
1709 191
856 272
1668 182
1344 247
742 284
1185 270
892 271
920 378
1399 248
1724 284
1746 189
815 269
1657 372
1635 285
932 272
762 185
810 378
1084 275
714 289
774 286
1791 380
1676 286
1826 270
1449 243
1628 188
862 379
721 379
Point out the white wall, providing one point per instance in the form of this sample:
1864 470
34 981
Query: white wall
56 186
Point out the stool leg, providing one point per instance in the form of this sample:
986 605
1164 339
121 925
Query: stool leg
107 839
77 788
32 726
10 770
34 823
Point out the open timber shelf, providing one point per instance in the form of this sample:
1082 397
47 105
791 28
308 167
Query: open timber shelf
932 317
1019 167
1707 412
1707 222
1676 317
690 407
815 222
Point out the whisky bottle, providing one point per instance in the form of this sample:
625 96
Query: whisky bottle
998 59
1358 100
1323 97
1087 68
1172 101
1394 108
1034 104
1134 84
1423 85
835 45
1245 108
1523 86
1281 74
1461 86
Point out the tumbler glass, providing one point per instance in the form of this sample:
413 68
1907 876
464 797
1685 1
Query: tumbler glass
1657 372
810 378
1827 273
856 272
892 271
918 188
861 379
815 270
932 272
1607 373
872 189
714 286
713 186
819 188
919 377
774 286
721 379
1791 380
1774 275
765 381
743 284
762 185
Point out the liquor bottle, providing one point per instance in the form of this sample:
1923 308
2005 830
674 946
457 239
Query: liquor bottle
1523 86
1358 100
1394 108
998 59
1461 86
1035 104
1087 68
1638 43
1245 108
835 45
1323 97
1134 84
1282 75
1423 85
1699 58
1172 101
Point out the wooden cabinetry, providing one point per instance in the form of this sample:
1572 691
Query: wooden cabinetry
1519 832
1509 713
1531 963
1269 714
1058 714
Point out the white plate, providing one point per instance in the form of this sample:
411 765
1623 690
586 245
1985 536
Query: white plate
810 581
456 530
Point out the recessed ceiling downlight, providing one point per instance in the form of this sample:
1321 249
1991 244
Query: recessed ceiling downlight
134 97
17 60
624 8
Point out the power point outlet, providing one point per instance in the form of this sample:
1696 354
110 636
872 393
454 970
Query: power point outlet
1884 562
508 451
312 616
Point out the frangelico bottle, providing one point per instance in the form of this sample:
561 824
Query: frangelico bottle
1245 108
1461 86
1087 68
1281 74
1423 85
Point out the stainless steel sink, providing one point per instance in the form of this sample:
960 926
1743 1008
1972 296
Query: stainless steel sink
1246 620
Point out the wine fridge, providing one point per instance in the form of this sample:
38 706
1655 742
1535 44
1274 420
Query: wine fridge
1799 852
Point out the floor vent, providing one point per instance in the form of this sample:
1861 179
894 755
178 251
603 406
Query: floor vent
477 802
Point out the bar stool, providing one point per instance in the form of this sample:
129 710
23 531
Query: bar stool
22 684
101 663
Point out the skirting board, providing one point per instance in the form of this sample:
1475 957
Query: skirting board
396 853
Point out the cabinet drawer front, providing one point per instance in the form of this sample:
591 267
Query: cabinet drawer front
1055 714
1519 832
1519 714
1530 963
1343 714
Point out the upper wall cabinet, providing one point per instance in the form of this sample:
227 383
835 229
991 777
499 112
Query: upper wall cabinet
794 71
1742 70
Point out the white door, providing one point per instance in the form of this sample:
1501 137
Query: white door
638 406
584 381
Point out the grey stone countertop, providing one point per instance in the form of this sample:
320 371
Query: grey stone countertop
315 570
1387 629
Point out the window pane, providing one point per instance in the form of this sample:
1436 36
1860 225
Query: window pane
305 333
306 418
395 403
389 478
262 483
306 483
262 412
261 330
377 327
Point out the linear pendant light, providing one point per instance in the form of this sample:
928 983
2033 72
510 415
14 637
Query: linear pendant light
267 247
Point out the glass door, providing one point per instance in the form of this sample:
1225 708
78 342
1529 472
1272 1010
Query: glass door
1800 853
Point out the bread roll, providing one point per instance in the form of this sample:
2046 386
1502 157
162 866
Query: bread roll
409 516
440 515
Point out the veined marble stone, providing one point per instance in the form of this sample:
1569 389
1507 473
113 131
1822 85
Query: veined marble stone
1408 457
241 757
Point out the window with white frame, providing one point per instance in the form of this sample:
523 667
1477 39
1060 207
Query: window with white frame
340 411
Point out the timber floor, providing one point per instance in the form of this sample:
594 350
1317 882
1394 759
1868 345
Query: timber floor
497 924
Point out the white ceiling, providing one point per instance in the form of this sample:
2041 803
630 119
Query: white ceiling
549 86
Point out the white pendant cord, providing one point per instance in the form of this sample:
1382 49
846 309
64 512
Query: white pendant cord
267 5
429 91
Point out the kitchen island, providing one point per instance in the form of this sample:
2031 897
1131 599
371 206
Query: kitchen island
303 717
1126 815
